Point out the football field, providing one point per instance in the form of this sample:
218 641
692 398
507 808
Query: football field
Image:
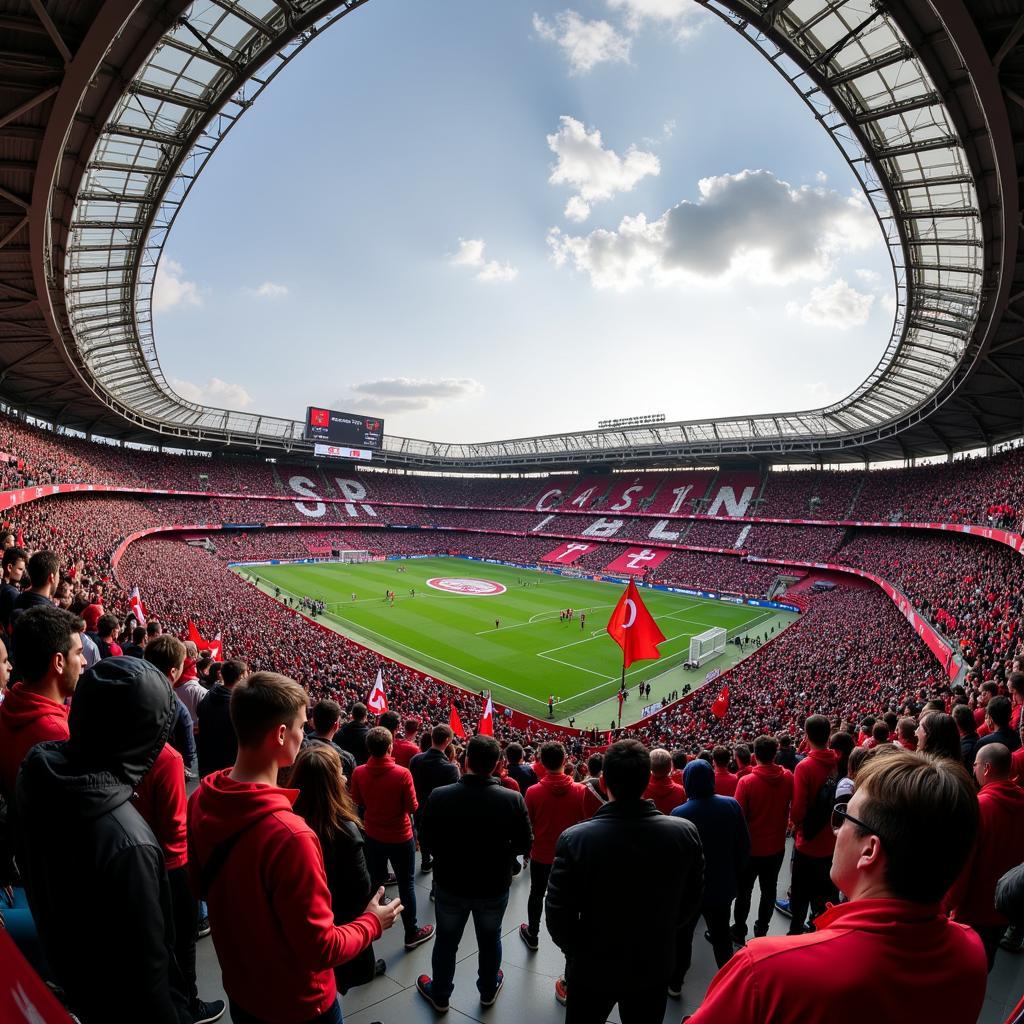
498 628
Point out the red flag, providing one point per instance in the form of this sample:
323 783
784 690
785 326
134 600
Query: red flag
455 724
20 539
137 607
721 705
486 726
633 628
215 647
378 702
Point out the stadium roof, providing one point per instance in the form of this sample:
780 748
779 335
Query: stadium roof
109 111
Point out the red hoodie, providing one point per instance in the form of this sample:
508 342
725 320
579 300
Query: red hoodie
809 777
385 791
725 782
160 799
902 954
554 804
998 847
269 905
666 794
765 795
26 718
405 751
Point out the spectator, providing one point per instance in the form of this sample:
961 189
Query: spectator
352 735
937 734
964 719
13 565
906 730
666 793
596 910
726 844
44 576
1015 689
215 739
814 782
259 867
137 647
764 797
431 769
326 721
94 871
518 769
105 636
997 717
554 804
187 688
407 747
725 780
743 760
168 654
386 797
901 842
596 795
786 756
999 847
324 803
472 869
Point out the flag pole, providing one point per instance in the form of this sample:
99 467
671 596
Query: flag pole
622 685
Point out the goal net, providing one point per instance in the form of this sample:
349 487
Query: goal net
351 555
707 645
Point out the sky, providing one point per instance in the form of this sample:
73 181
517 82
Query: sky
482 221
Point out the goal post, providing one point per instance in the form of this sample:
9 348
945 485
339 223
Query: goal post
707 645
352 555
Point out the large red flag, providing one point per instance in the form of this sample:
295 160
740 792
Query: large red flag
721 706
455 724
215 647
633 628
486 726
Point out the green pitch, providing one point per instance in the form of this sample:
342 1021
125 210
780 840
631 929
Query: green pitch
513 642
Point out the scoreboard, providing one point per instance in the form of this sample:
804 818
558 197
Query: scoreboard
343 429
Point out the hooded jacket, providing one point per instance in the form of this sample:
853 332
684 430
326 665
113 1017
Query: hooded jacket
26 718
554 804
269 904
666 793
903 954
94 872
808 778
764 797
723 832
385 791
215 740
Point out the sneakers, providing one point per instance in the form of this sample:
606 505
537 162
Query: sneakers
203 928
207 1013
782 906
532 941
516 866
738 935
675 991
423 986
418 937
426 866
379 967
1013 940
760 931
497 989
561 991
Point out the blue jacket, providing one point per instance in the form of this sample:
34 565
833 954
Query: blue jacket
723 832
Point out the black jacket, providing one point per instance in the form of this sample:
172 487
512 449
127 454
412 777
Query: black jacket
348 878
474 828
1010 738
524 775
216 741
430 770
348 762
618 925
94 872
968 749
1010 895
352 737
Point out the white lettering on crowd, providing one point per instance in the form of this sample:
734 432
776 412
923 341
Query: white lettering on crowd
554 495
660 531
626 500
733 506
304 486
603 528
680 493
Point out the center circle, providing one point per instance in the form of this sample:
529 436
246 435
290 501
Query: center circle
467 585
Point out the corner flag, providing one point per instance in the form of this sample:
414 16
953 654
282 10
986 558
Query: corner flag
633 628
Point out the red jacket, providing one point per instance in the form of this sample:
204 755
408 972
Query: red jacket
869 959
809 777
26 719
404 751
666 794
269 905
160 799
725 782
554 804
1017 766
999 846
765 795
386 793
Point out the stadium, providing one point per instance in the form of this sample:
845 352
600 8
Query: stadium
855 561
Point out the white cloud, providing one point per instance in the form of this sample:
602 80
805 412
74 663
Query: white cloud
215 392
750 225
870 277
170 288
595 173
269 290
836 305
684 17
413 394
585 44
470 253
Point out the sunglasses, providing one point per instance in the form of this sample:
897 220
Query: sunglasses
841 814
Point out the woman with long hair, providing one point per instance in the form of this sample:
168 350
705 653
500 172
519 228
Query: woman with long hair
325 804
937 734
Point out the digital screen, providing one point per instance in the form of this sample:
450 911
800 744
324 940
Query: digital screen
346 429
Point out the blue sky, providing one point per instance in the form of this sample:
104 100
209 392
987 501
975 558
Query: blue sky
491 220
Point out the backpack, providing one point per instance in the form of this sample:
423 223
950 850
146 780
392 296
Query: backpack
819 813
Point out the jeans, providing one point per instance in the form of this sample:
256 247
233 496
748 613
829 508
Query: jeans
538 887
403 860
451 913
332 1015
183 907
717 920
765 871
588 1004
21 927
811 887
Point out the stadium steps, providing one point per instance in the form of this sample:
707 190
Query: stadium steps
325 482
278 482
698 505
856 497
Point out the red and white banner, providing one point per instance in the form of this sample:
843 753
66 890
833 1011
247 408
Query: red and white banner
378 702
137 607
567 553
333 451
638 560
486 726
215 647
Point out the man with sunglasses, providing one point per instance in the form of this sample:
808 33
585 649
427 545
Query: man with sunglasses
901 841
